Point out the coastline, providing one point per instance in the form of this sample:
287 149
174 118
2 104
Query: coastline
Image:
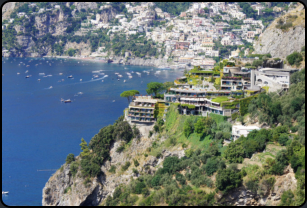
162 63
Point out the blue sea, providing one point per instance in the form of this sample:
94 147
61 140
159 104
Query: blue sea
39 131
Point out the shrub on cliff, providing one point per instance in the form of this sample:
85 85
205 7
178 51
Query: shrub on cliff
294 58
70 158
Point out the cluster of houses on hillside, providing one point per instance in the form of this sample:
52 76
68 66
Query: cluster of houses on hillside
187 39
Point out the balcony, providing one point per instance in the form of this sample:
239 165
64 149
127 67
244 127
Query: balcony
142 105
141 116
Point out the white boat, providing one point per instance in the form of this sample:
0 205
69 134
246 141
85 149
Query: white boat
101 80
65 101
138 73
50 87
80 80
116 73
39 80
96 76
27 71
113 101
105 76
124 80
49 75
95 71
41 74
27 76
5 192
70 76
60 73
120 75
18 73
130 77
80 93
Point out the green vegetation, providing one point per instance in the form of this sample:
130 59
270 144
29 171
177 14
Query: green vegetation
174 8
295 58
126 166
220 99
154 87
112 169
70 158
129 94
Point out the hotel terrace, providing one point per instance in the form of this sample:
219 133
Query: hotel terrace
141 110
200 98
235 85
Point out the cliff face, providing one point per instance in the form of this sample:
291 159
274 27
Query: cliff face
270 197
106 15
279 43
53 24
85 5
64 190
7 9
98 189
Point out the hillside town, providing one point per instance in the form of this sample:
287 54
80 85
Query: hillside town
193 38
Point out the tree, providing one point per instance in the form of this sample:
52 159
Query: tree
128 94
187 128
283 138
70 158
85 150
211 166
227 179
154 87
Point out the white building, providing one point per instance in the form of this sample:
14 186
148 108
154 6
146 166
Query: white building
275 79
239 130
41 10
21 14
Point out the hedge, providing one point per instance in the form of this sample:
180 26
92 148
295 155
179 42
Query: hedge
244 104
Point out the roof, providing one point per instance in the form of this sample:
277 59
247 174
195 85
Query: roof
240 127
276 69
241 72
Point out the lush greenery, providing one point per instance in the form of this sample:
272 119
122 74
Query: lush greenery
174 8
295 58
129 94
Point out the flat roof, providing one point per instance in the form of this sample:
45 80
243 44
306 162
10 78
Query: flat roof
276 69
245 127
241 72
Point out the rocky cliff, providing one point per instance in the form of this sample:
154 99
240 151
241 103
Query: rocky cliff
269 197
64 190
278 42
7 9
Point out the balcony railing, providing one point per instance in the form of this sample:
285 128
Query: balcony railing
140 111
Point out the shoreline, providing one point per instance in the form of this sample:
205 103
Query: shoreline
119 60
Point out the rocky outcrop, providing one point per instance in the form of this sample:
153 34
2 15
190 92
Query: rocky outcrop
84 49
106 15
64 190
271 63
281 44
53 24
85 5
244 197
7 9
99 188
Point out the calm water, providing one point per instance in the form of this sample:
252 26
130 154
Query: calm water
39 131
